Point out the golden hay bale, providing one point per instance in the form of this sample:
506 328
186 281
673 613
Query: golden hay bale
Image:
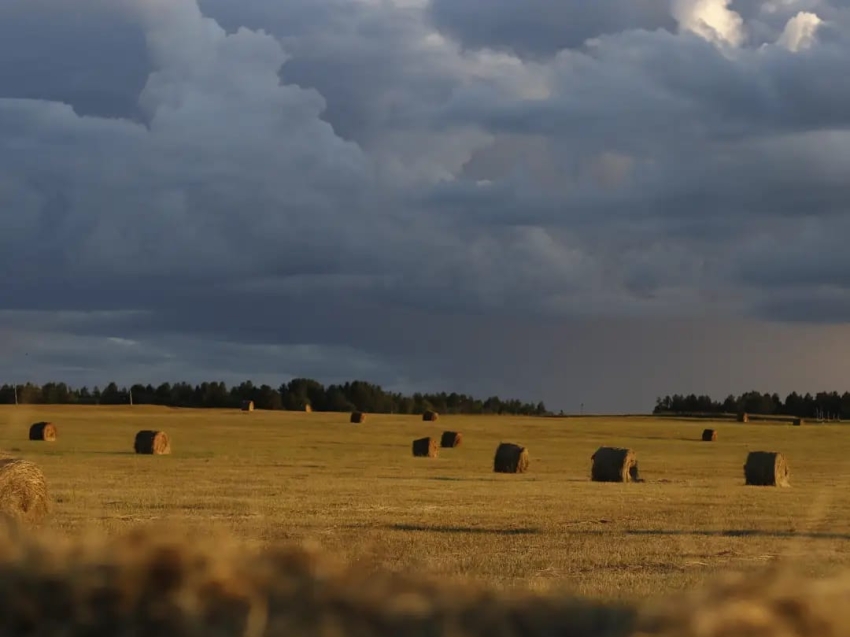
510 458
430 416
152 442
157 583
425 448
709 435
45 431
614 464
743 418
247 405
770 603
451 439
150 583
308 408
357 417
23 491
766 469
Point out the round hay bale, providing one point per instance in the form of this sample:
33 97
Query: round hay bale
308 408
358 417
152 443
247 405
23 491
709 435
425 448
614 464
510 458
743 418
45 431
430 416
451 439
766 469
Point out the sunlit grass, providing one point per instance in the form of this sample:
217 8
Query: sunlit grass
357 490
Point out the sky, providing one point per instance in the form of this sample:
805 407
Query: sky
587 203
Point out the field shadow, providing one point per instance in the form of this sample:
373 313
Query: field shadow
461 529
671 438
743 533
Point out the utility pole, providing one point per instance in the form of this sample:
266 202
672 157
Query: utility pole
16 393
131 396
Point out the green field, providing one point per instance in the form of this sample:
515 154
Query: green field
356 489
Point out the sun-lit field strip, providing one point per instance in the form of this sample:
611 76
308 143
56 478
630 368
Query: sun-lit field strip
357 490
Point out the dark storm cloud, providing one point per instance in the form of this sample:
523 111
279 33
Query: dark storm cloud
86 53
350 188
541 27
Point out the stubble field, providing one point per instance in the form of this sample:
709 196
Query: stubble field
271 477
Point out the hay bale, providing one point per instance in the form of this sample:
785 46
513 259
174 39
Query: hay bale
358 417
743 418
23 491
152 442
766 469
155 582
709 435
308 408
797 422
451 439
614 464
45 431
510 458
430 416
247 405
425 448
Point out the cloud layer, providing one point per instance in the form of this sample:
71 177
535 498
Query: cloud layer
326 180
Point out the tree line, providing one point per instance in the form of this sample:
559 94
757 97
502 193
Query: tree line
820 405
297 394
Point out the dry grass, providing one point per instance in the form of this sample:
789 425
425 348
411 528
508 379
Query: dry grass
359 493
149 583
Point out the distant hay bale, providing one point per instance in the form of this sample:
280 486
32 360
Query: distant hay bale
766 469
308 408
451 439
510 458
614 464
797 422
743 417
430 416
247 405
152 442
358 417
23 491
425 448
45 431
709 435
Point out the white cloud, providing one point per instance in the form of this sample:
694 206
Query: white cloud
712 20
800 31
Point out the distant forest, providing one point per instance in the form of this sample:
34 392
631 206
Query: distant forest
297 394
821 405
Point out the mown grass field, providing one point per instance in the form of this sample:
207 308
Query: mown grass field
356 489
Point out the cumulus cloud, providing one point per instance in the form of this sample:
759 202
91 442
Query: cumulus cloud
800 31
318 180
710 19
